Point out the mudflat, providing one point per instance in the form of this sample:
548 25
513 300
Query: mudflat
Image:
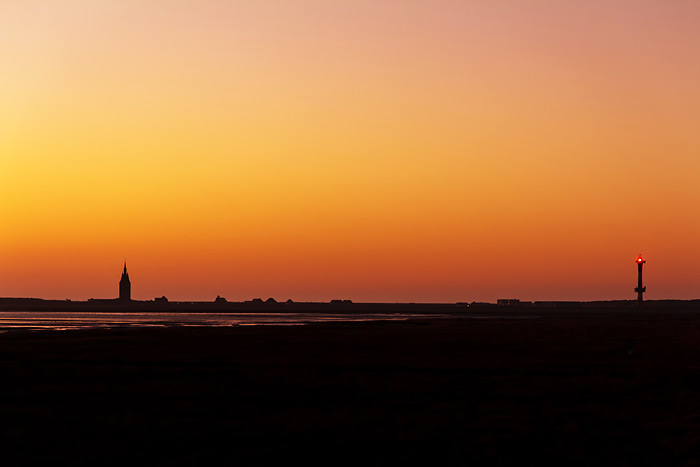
607 387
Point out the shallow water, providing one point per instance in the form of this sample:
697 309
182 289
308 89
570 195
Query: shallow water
40 320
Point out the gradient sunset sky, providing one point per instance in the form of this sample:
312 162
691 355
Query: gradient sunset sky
383 150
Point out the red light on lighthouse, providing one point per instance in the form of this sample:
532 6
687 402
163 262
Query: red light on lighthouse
640 289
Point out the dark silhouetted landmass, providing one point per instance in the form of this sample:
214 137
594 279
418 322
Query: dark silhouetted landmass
589 386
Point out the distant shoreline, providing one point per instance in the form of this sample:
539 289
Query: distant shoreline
335 306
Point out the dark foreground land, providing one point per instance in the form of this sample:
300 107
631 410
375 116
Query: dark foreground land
548 386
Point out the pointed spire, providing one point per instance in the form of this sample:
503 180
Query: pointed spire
125 286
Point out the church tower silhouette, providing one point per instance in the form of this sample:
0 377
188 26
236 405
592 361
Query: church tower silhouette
125 286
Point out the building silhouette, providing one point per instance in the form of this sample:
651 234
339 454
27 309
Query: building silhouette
125 286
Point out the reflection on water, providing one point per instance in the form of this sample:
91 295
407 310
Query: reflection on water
35 320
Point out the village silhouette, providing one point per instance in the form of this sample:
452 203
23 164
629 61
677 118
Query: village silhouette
125 301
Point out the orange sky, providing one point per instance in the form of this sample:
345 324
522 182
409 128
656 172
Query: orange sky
382 150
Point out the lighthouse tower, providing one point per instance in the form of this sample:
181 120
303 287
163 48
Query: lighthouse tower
640 289
125 286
